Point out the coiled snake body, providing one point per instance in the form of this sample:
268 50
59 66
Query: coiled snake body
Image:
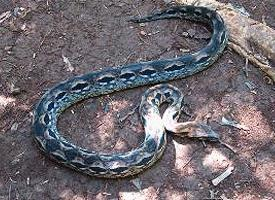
109 80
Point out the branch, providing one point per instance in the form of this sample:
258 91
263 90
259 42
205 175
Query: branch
251 39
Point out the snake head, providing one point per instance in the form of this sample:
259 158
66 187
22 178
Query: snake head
203 132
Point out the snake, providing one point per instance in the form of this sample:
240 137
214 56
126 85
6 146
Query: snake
113 79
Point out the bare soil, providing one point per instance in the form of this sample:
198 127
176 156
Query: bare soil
94 35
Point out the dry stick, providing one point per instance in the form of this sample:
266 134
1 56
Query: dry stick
228 146
244 33
9 192
223 176
192 156
246 67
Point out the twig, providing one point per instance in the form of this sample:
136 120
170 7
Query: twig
192 156
246 67
175 29
223 176
228 146
244 31
99 125
9 192
188 162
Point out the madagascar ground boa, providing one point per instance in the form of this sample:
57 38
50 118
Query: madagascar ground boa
109 80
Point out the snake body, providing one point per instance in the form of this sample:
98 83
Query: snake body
105 81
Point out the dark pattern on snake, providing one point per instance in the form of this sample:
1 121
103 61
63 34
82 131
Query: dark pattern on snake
60 97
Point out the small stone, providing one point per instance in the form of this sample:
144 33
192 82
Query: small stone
28 180
143 33
141 24
7 48
230 61
185 50
185 34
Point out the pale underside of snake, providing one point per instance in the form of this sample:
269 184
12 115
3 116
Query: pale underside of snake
109 80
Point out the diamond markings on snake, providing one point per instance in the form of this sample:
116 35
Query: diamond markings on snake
106 81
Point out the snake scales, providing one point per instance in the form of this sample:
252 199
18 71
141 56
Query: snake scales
105 81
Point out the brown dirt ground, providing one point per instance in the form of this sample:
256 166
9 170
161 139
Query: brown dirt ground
94 35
